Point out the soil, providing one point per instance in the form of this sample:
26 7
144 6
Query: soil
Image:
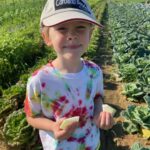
2 145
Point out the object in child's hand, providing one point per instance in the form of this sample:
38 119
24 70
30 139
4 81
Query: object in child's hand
109 109
68 121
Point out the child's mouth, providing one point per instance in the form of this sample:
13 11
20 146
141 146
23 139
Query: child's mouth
72 46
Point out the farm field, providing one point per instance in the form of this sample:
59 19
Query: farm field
121 48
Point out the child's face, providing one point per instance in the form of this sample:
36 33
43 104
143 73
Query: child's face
70 39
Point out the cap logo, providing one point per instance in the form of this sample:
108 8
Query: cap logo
78 4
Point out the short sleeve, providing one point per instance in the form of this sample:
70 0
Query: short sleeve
99 85
32 103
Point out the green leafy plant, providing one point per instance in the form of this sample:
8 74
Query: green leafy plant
6 107
16 129
136 118
133 91
128 72
129 25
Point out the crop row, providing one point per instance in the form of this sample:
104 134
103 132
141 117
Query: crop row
130 35
20 41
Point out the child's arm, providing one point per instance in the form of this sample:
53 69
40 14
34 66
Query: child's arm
52 126
103 120
41 123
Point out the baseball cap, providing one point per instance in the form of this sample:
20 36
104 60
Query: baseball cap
58 11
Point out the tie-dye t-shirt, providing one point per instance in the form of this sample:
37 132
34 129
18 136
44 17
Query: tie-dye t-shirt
55 95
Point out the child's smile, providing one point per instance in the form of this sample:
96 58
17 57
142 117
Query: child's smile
73 46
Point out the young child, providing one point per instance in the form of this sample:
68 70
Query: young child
69 85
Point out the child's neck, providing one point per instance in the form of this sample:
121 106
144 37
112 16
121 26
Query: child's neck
65 66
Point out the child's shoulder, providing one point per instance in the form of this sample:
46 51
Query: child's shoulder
39 77
93 69
91 65
41 72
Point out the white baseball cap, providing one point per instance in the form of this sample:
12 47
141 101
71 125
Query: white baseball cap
58 11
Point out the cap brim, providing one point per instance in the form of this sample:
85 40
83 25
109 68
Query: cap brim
67 16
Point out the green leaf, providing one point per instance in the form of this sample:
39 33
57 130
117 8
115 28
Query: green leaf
130 127
147 99
138 146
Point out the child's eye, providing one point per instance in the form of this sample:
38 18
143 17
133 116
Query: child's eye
61 29
81 27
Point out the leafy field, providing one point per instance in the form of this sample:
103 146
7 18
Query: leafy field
127 36
20 42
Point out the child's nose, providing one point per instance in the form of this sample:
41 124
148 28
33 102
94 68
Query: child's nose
71 35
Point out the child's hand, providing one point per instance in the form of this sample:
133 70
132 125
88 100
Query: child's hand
105 120
61 134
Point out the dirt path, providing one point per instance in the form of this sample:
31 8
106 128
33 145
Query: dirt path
2 145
